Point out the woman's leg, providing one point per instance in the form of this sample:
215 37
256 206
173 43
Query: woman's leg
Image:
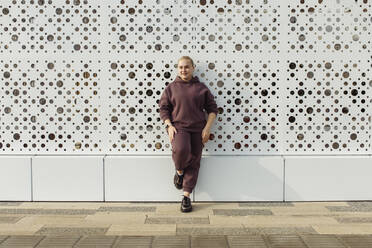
181 149
191 170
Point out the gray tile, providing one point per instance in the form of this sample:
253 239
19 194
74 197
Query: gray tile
171 242
3 237
10 203
9 219
59 241
71 230
353 207
322 241
211 231
285 241
134 242
47 211
356 241
266 204
21 241
248 241
127 209
280 230
360 204
208 242
354 219
242 212
101 241
177 220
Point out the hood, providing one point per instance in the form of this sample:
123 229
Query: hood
194 79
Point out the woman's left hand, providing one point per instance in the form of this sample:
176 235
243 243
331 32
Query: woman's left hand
205 135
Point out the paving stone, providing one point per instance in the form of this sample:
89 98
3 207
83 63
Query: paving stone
360 204
251 241
60 241
71 230
133 242
354 208
322 241
266 204
10 203
357 241
142 230
60 220
101 241
242 212
46 211
171 242
208 242
211 231
344 228
354 219
3 237
280 230
121 218
128 209
177 220
305 209
9 219
285 241
17 229
23 241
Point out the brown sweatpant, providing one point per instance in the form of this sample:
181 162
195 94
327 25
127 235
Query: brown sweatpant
187 149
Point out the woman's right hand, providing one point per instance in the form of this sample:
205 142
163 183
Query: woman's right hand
171 131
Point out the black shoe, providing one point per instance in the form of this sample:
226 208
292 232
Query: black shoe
178 180
186 204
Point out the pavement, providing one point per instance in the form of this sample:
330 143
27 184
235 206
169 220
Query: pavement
210 224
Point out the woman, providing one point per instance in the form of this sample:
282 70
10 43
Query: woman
182 106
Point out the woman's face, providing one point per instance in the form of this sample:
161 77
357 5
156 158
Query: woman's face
185 69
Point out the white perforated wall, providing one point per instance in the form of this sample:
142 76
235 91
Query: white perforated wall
85 76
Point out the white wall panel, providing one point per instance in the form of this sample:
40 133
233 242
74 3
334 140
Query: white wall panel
140 178
15 178
240 178
67 178
327 178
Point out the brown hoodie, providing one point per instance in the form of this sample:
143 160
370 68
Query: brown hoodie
184 103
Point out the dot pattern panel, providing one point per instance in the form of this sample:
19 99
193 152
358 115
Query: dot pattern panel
247 93
85 76
327 104
50 106
237 26
135 88
248 96
332 26
41 26
150 26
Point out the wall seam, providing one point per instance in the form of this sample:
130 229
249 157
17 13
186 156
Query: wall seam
284 179
31 188
103 174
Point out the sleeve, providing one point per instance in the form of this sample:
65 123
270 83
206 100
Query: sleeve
165 106
210 103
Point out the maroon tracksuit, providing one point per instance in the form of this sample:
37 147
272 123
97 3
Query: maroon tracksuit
183 103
